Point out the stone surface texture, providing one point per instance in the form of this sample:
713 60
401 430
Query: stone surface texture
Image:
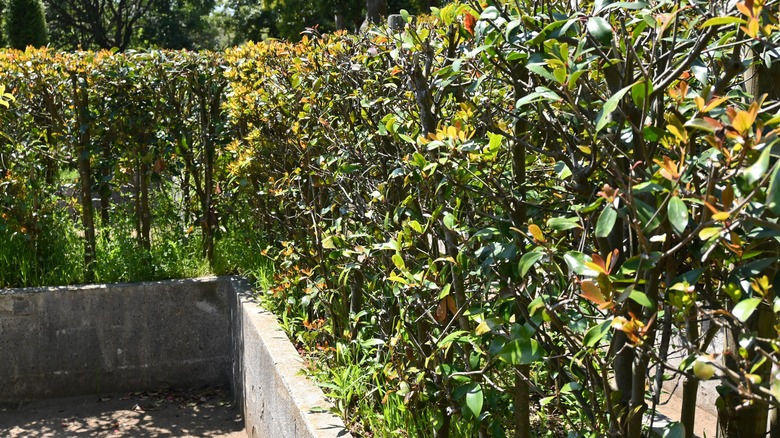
74 341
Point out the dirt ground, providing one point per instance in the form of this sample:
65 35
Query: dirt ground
207 412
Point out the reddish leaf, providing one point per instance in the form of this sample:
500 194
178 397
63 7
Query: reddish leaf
451 304
441 311
592 293
469 22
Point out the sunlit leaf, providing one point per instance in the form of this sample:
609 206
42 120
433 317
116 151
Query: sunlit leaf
719 21
609 106
745 308
710 232
592 292
758 169
536 232
596 333
521 351
528 260
474 400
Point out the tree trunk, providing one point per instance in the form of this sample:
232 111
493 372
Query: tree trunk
522 402
375 10
690 384
81 100
146 215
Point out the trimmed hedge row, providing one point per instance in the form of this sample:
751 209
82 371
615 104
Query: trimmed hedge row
497 211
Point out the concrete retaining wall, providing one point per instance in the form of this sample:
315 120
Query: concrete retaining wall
65 341
278 400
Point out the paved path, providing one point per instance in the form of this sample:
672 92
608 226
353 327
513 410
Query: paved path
706 423
202 413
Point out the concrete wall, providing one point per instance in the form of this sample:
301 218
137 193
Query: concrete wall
278 400
68 341
65 341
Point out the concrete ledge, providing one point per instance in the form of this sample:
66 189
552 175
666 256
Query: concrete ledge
67 341
278 400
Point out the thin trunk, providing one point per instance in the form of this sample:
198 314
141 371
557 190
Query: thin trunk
356 299
81 99
105 191
727 417
522 403
521 395
146 215
690 384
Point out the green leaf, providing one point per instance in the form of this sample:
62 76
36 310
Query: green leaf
327 243
745 308
562 170
474 400
540 93
596 333
490 13
398 261
641 298
450 221
678 215
773 193
521 351
639 93
623 5
457 336
719 21
701 125
541 71
609 106
758 169
576 262
647 216
563 223
528 260
600 29
606 222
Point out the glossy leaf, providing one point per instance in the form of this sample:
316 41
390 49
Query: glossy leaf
595 334
678 215
609 106
600 29
474 400
606 222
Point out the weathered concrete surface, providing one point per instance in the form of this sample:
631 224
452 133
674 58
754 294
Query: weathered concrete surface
66 341
278 400
69 341
206 412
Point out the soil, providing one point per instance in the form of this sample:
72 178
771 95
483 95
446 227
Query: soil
205 412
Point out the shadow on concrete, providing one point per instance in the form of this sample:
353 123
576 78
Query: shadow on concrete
207 412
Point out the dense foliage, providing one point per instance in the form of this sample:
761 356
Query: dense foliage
501 212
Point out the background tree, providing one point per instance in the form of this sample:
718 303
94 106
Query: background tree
101 23
25 24
179 25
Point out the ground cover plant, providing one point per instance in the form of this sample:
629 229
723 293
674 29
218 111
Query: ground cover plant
500 212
